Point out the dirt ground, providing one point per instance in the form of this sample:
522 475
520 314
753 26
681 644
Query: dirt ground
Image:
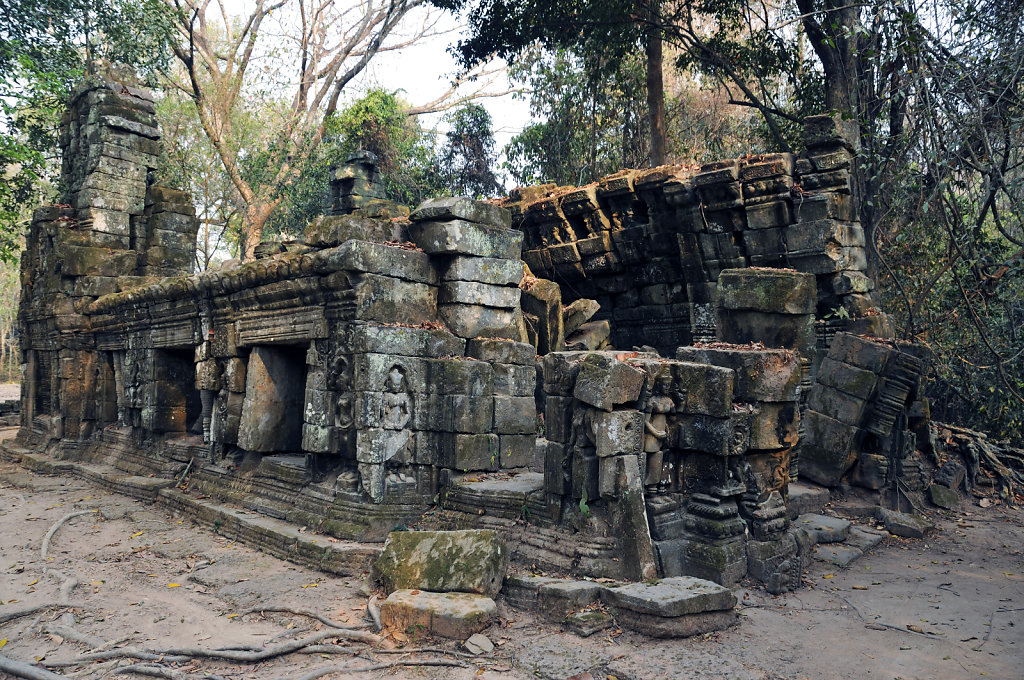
150 579
10 391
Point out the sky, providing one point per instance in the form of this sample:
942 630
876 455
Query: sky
424 71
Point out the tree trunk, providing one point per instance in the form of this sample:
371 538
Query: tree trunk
656 92
256 216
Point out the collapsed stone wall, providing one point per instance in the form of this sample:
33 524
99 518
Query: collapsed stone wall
650 245
394 362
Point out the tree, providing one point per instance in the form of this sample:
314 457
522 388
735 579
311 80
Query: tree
319 45
377 122
608 29
466 163
592 122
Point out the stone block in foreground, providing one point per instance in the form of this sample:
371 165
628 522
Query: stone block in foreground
468 561
672 607
449 615
670 597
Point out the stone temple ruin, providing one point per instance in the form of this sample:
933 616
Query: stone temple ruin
620 380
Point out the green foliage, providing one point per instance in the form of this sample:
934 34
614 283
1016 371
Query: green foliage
465 164
375 122
591 120
46 46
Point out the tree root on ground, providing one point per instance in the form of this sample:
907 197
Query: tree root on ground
304 612
180 654
20 669
327 670
57 525
373 609
35 609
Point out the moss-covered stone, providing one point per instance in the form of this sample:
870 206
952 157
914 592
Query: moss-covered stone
469 561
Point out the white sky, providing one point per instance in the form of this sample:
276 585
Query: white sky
423 72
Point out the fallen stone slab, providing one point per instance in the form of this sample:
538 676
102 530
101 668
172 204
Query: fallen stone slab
469 561
944 497
839 554
670 597
824 529
578 313
677 626
904 525
449 615
555 600
864 539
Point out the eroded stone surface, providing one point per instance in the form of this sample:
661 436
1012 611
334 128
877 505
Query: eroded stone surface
472 561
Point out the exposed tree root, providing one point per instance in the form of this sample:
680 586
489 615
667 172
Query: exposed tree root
373 609
28 611
69 633
188 653
378 667
304 612
155 670
57 525
20 669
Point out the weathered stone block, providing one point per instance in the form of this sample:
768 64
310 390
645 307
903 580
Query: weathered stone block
557 599
490 270
88 261
670 597
377 258
821 235
328 231
474 293
704 434
234 374
517 450
208 375
828 450
617 432
468 561
449 615
517 381
773 426
904 525
515 415
557 417
462 208
760 375
708 390
577 313
458 237
786 331
502 351
604 382
472 321
860 352
679 626
843 377
405 341
469 452
944 497
767 290
459 376
543 299
829 401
